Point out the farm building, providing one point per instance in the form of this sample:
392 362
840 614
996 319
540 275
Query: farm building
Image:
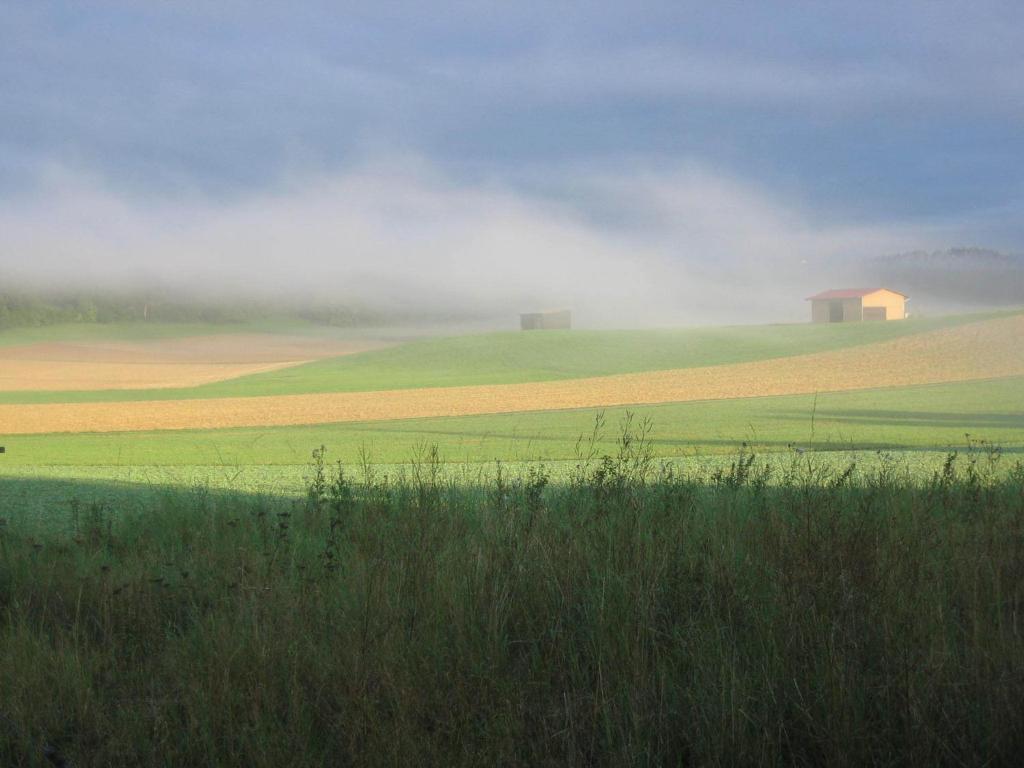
847 305
546 321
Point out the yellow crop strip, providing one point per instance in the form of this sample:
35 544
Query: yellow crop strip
45 375
166 363
988 349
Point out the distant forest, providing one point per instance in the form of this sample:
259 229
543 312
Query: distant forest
21 308
973 276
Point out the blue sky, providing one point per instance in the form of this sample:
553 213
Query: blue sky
884 117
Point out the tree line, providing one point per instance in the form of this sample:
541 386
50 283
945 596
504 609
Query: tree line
23 308
20 309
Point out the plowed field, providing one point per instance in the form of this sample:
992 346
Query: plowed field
982 350
156 364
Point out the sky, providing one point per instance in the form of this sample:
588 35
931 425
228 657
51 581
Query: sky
644 156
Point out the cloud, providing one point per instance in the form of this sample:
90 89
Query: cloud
852 104
674 74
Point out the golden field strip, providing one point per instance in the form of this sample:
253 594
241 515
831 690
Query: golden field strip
69 377
186 362
983 350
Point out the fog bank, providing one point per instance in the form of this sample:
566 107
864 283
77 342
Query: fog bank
621 248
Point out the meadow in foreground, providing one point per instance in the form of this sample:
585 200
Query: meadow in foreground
628 614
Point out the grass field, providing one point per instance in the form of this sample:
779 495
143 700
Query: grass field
904 418
822 578
497 358
909 418
623 616
42 474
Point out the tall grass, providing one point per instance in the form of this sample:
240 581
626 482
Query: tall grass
632 614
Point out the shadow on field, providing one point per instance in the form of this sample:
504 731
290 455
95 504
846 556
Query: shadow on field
630 613
51 503
873 417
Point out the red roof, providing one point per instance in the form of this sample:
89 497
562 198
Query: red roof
850 293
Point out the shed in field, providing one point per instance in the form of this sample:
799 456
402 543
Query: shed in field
847 305
546 321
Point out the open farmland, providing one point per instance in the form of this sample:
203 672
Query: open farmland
183 510
975 351
861 391
411 362
160 363
546 385
914 428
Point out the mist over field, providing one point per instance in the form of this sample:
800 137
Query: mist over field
623 247
653 166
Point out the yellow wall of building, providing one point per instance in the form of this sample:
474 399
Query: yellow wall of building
895 304
853 309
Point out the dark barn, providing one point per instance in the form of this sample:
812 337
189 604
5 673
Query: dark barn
546 321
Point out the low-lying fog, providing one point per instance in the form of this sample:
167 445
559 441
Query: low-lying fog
620 247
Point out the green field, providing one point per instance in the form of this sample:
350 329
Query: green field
911 418
624 616
830 578
512 357
921 422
